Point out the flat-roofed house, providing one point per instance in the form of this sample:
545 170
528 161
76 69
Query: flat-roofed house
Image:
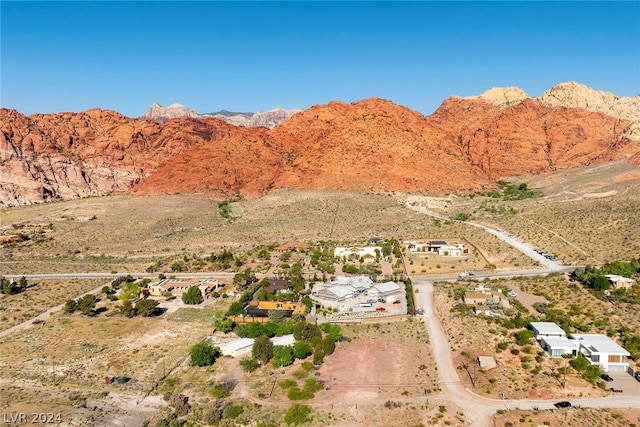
237 347
546 329
602 350
556 346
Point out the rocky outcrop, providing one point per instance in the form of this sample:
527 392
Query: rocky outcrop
269 119
370 145
162 114
576 95
502 97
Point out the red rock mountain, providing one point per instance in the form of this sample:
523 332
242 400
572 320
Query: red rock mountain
372 145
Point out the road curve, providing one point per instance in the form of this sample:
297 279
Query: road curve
478 409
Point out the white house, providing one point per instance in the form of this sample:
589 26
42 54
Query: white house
546 330
602 350
619 282
558 346
237 347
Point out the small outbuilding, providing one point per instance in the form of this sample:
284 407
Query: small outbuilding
238 347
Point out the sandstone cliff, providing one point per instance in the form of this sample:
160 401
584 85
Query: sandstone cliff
371 145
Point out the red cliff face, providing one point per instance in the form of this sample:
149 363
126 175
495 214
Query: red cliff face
371 145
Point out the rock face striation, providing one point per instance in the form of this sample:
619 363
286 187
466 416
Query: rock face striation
269 119
370 145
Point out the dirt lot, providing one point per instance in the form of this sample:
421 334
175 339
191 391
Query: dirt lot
39 296
60 365
377 376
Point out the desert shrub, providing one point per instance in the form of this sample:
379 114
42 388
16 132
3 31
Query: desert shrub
180 402
298 414
248 364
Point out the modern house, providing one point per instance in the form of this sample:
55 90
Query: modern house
619 282
559 346
546 330
596 348
602 350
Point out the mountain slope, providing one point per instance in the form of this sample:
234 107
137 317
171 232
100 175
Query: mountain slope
370 145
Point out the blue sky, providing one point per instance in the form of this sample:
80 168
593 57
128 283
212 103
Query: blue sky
253 56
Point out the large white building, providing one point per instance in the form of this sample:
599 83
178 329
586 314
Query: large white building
345 288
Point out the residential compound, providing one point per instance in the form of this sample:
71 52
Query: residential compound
180 286
596 348
346 288
437 247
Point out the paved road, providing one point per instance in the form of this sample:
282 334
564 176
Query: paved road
62 276
517 243
478 409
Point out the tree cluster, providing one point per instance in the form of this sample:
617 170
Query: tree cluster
85 305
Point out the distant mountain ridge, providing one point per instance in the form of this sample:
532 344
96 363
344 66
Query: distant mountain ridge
370 145
270 118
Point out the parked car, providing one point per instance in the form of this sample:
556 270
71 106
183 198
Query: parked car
606 377
637 376
563 404
397 301
381 309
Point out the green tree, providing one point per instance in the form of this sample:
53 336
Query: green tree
276 316
303 331
328 345
22 283
129 290
524 337
580 363
192 296
87 303
298 414
262 349
127 309
248 364
301 349
244 279
282 356
224 325
203 354
70 306
235 309
333 330
146 307
7 287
